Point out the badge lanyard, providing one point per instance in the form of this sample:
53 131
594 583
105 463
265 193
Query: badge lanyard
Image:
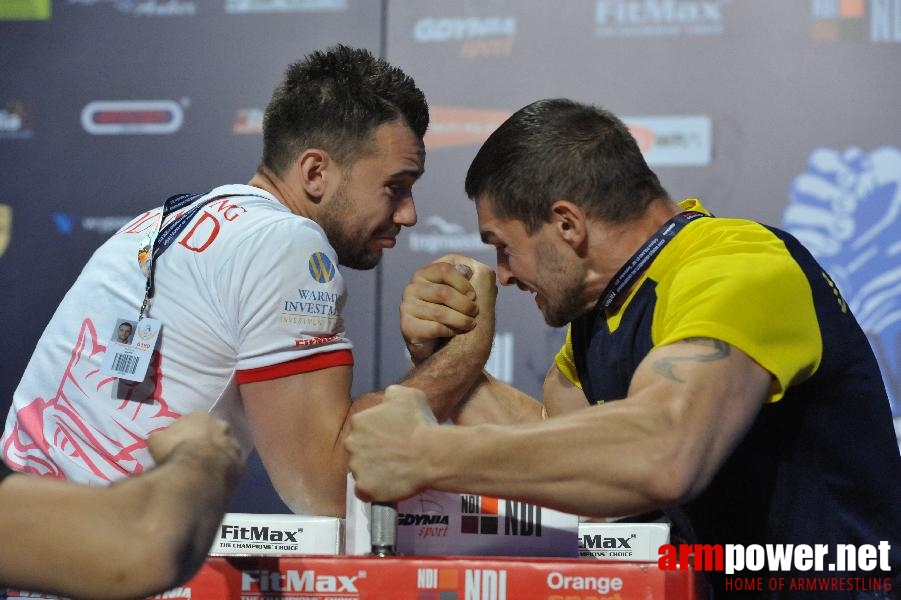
636 265
159 241
131 359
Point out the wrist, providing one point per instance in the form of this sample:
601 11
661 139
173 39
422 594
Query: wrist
435 445
206 460
421 351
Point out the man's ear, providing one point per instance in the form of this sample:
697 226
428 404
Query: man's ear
570 222
311 167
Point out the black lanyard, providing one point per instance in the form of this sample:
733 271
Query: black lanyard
636 265
164 238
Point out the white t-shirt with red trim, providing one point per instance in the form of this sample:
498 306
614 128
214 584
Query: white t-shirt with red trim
247 292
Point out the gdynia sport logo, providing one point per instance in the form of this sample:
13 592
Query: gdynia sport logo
767 567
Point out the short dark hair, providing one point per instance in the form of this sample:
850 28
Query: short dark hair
559 148
334 100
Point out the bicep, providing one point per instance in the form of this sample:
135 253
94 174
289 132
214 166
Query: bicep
296 423
709 393
561 395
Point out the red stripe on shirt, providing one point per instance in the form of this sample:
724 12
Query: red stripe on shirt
304 364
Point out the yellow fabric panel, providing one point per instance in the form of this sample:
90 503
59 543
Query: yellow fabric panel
564 358
565 361
736 282
732 280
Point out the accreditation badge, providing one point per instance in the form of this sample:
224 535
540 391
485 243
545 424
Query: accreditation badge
130 349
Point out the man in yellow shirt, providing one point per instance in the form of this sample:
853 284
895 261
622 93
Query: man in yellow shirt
712 369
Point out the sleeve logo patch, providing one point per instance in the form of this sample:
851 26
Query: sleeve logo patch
321 267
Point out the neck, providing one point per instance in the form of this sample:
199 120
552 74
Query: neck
294 200
615 244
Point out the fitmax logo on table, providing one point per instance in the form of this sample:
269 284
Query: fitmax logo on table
307 581
258 534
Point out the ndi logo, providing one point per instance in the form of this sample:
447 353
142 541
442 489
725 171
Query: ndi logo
486 584
479 515
842 20
885 21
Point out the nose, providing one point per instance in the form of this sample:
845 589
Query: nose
504 274
405 213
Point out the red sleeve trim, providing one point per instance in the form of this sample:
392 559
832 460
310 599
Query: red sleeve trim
304 364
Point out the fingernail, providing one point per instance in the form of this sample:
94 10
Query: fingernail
464 270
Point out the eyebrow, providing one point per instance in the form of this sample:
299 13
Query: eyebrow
487 237
415 173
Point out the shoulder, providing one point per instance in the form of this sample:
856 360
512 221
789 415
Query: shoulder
241 219
710 248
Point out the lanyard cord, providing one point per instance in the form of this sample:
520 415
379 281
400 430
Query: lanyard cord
164 236
628 273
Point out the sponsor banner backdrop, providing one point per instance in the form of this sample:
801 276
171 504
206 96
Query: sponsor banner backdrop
730 101
108 107
783 112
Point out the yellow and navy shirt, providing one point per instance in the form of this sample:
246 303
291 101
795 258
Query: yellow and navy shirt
821 463
707 282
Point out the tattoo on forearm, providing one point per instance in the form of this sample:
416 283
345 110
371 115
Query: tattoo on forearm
719 351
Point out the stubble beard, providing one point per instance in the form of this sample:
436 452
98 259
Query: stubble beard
349 243
566 304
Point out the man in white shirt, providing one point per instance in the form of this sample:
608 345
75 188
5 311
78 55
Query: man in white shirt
238 299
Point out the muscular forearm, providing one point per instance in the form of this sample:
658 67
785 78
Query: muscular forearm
688 406
133 539
447 319
186 498
493 401
550 463
448 375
